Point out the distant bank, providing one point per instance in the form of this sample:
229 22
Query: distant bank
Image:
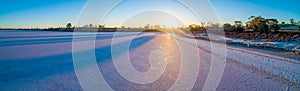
83 29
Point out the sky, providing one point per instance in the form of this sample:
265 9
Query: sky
57 13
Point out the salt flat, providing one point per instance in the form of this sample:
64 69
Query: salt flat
38 60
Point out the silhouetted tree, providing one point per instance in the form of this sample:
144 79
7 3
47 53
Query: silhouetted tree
292 21
197 28
251 17
258 24
101 26
273 24
238 26
227 27
68 27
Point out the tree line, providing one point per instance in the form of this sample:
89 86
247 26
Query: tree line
257 24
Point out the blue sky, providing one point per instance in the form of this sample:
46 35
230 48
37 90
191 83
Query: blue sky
39 13
283 10
54 13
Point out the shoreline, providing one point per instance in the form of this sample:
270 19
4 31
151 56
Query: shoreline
280 53
289 48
